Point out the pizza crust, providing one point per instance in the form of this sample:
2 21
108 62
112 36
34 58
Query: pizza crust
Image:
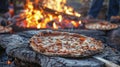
65 44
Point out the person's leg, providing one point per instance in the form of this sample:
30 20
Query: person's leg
113 9
4 12
95 8
4 6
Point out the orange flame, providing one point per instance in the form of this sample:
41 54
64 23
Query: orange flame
39 26
79 22
60 18
55 26
37 18
75 24
60 6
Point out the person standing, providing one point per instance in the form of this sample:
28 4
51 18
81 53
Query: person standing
4 4
96 6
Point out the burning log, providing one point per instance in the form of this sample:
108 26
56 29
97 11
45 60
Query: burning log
38 15
56 13
39 5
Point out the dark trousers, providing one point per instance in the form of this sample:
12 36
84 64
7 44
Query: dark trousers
96 6
4 6
113 9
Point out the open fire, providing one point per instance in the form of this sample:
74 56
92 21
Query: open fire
55 17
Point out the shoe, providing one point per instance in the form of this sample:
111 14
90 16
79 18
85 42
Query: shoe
89 17
115 19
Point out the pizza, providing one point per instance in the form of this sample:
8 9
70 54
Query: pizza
4 29
115 17
101 26
65 44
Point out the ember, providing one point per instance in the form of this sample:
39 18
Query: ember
37 17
